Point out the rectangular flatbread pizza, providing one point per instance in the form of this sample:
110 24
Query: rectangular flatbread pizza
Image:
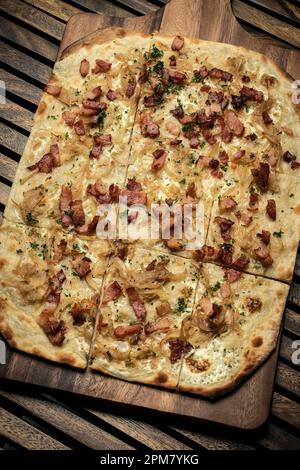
154 216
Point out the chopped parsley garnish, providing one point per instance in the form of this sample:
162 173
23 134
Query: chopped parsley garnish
216 287
187 127
34 246
19 250
197 78
30 219
101 117
224 167
158 67
278 234
181 304
154 53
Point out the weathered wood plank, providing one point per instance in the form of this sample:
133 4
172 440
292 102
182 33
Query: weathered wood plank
20 88
8 167
61 10
292 322
67 422
212 442
267 23
24 63
25 434
25 38
288 378
33 17
12 139
16 114
4 193
275 438
286 348
104 7
286 410
140 6
287 10
141 431
294 294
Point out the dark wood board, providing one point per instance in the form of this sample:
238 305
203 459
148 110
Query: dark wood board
248 406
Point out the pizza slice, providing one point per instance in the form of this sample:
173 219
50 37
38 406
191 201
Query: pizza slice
49 292
145 297
232 330
256 231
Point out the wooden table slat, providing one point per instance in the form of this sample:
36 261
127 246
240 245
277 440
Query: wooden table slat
61 10
11 139
292 322
25 434
16 114
288 378
276 438
33 17
103 6
25 38
285 9
285 409
67 422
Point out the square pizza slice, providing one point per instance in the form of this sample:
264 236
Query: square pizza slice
145 298
50 286
233 328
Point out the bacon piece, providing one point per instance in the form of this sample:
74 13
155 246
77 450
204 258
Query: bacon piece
246 219
53 90
84 67
152 327
215 97
266 118
223 157
254 304
178 43
226 204
175 142
265 236
112 292
225 290
233 123
136 303
79 127
127 330
150 101
69 118
288 157
134 197
173 244
263 255
271 209
261 176
101 66
148 127
238 155
226 133
191 191
220 74
54 329
78 216
206 253
194 142
225 227
94 105
159 159
111 95
241 262
251 94
172 61
133 185
130 88
65 203
178 348
238 101
83 309
213 164
104 139
88 228
96 151
232 275
48 161
81 264
59 251
178 78
94 93
253 199
177 112
225 254
163 309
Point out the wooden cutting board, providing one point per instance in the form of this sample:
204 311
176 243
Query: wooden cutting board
248 406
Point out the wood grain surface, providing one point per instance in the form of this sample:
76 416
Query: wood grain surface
34 29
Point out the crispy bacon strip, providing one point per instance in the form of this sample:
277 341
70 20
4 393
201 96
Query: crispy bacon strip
232 275
112 292
69 118
152 327
88 228
136 303
225 227
254 304
94 93
226 204
53 90
127 330
84 67
48 161
86 308
111 95
263 255
206 253
59 251
178 348
159 159
178 43
265 236
79 127
130 88
251 94
81 264
148 127
101 66
65 203
261 176
233 123
163 309
78 216
271 209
